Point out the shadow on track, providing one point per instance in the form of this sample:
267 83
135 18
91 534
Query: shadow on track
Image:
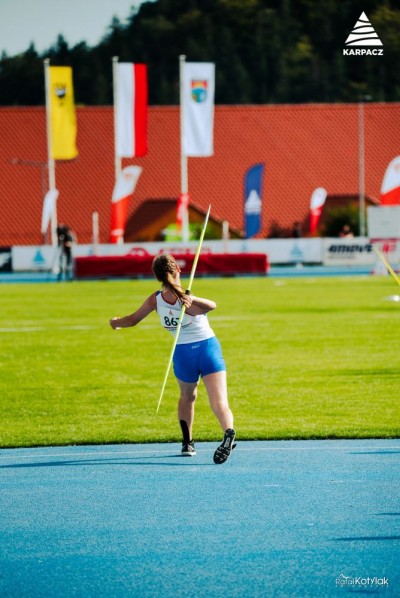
185 461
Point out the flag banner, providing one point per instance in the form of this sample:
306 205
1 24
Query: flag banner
62 114
131 110
317 202
390 190
123 189
181 209
49 205
252 199
198 109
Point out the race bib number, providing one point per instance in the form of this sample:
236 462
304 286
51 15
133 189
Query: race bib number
169 318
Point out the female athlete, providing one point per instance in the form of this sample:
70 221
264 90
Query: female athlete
197 353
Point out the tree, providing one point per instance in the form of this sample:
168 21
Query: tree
266 51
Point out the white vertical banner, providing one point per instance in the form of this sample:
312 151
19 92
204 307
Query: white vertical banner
49 209
50 160
124 109
197 104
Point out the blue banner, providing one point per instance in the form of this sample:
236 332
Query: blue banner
253 199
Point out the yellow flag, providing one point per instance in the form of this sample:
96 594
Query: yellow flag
62 113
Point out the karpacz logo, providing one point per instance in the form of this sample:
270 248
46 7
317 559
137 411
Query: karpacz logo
363 35
363 52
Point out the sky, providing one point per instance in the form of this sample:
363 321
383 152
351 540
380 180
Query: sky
41 21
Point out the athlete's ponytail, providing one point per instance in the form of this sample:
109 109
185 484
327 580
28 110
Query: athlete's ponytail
164 268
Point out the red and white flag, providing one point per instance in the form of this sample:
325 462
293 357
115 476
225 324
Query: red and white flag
317 202
131 110
123 189
390 190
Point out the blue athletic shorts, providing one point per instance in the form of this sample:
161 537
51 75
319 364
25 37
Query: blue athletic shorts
192 360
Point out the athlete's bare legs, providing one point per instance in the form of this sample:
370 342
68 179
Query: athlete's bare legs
186 404
218 396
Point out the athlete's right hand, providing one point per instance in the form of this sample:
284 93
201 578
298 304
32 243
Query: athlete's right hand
187 300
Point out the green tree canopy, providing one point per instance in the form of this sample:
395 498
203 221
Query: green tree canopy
266 51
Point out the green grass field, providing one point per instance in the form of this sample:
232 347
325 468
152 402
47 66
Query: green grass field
306 358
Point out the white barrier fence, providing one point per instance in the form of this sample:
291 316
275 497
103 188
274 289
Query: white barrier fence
335 252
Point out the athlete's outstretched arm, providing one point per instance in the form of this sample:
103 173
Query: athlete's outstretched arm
144 310
199 306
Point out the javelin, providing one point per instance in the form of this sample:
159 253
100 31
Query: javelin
178 328
387 265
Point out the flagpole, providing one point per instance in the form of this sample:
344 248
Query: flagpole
51 165
361 168
184 160
117 159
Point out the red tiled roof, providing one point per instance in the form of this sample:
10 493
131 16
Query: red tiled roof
302 146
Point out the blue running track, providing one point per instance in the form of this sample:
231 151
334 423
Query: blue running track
288 518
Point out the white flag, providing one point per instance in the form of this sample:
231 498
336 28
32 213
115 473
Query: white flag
49 205
198 109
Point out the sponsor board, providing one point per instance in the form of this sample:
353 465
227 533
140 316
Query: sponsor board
384 222
279 251
341 252
285 251
358 251
30 258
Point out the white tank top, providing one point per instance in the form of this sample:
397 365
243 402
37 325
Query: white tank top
193 329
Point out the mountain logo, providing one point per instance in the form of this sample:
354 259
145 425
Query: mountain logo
38 259
253 203
364 36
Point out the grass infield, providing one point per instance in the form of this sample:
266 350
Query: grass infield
306 358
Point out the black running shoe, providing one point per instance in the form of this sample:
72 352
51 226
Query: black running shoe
188 450
225 448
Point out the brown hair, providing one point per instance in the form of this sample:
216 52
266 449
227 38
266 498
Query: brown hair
164 268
